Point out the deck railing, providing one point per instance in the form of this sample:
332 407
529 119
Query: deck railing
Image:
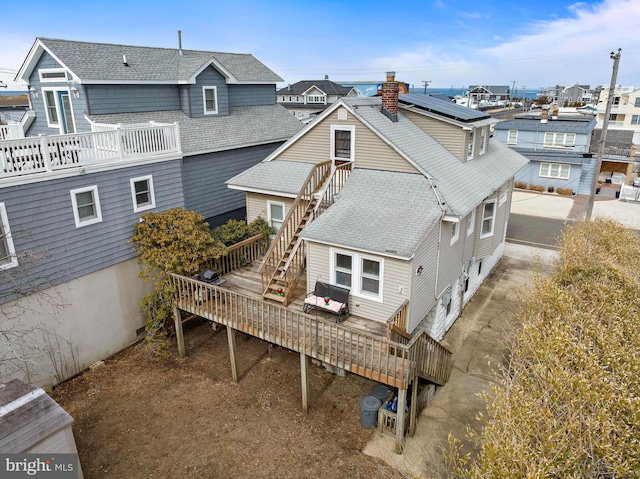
11 132
397 324
51 153
290 227
239 255
337 344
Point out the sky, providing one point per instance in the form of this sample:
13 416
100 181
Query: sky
447 43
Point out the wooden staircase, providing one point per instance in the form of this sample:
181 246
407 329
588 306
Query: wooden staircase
284 262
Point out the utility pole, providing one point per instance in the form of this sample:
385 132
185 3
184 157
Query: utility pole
513 87
596 171
426 84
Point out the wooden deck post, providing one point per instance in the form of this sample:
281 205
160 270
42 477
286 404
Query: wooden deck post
402 403
177 318
414 405
231 336
304 367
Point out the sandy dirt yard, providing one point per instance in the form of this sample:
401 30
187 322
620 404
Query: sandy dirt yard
185 418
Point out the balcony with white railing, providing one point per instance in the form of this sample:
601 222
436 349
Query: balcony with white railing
11 132
111 144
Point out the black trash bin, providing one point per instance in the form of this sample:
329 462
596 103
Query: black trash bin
382 392
369 406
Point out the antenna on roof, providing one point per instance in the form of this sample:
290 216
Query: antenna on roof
180 42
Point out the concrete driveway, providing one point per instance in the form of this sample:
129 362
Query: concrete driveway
476 340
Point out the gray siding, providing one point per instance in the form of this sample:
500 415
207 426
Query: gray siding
41 219
423 296
247 95
79 106
208 77
579 180
106 99
204 178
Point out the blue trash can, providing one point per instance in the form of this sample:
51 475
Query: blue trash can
369 406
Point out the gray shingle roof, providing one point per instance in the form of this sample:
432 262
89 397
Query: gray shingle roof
494 89
379 211
286 177
99 62
244 126
462 185
560 125
327 86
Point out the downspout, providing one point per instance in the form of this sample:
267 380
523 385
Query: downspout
441 205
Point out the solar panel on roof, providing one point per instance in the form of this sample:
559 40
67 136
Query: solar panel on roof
445 108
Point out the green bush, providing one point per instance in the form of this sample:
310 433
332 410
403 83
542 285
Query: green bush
568 404
234 231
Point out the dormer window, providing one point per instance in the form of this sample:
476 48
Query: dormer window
483 140
210 99
315 99
470 145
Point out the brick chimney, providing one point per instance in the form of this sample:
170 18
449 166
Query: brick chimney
544 116
390 97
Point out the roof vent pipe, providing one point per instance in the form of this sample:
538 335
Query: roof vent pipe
180 42
124 60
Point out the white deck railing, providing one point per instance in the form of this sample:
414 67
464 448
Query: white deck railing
11 132
50 153
630 193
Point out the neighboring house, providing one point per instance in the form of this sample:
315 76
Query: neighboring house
417 225
305 99
562 95
557 148
625 110
115 131
480 95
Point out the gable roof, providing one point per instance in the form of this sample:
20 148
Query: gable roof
244 126
326 86
391 224
495 89
578 125
103 63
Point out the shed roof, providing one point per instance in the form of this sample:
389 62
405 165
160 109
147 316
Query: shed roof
284 177
443 107
27 416
393 223
579 125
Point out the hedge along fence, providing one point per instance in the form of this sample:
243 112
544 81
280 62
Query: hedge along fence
569 403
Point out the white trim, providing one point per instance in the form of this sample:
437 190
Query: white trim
352 142
471 143
11 261
270 218
492 218
471 222
56 100
455 233
52 70
204 99
152 197
548 174
97 218
484 140
503 198
262 192
515 142
357 274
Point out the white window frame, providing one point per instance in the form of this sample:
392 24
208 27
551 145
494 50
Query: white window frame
554 140
357 274
97 218
515 137
11 260
471 222
471 144
270 218
45 71
455 232
214 89
491 218
317 99
56 103
137 207
334 129
546 170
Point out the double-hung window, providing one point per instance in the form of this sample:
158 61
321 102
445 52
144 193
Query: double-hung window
8 257
512 138
636 102
142 193
555 170
552 139
635 119
210 100
483 140
276 214
488 218
342 143
86 206
361 274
